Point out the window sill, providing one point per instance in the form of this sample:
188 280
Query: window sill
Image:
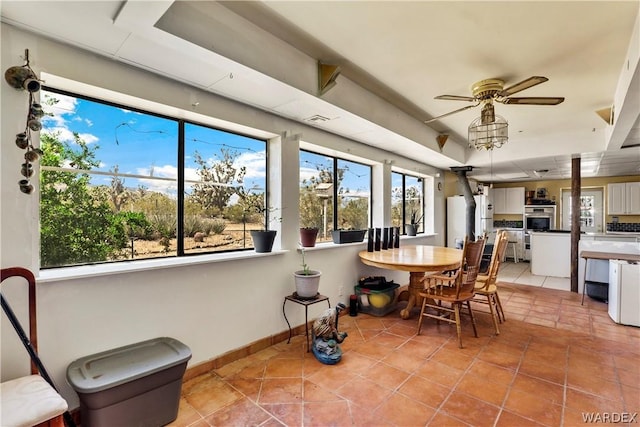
330 245
69 273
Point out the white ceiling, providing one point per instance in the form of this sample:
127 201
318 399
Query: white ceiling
395 57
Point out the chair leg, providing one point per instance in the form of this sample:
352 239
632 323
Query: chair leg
499 304
456 307
424 302
494 314
473 319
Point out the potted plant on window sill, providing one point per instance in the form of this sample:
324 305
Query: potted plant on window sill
308 236
263 238
414 224
307 281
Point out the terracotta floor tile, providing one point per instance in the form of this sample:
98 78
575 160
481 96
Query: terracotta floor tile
364 392
314 393
386 375
326 413
390 340
452 358
440 373
373 350
248 387
289 414
496 357
594 385
425 391
404 360
535 368
631 397
435 382
209 399
331 379
627 362
441 419
480 388
509 419
354 362
491 372
532 407
283 368
281 390
586 402
241 412
543 389
364 417
187 414
470 410
405 329
404 411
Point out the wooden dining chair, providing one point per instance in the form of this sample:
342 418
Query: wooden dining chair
486 288
30 400
455 290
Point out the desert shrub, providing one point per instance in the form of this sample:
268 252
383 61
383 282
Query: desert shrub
216 226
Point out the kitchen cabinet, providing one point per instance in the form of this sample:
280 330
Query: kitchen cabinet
623 198
508 200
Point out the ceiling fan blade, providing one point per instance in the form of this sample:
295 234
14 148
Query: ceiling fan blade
455 98
452 112
525 84
532 100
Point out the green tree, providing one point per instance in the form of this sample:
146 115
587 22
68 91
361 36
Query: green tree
219 181
77 225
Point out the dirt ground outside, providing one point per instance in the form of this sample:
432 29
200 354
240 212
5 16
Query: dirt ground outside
235 236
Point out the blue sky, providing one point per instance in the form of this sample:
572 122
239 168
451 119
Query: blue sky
146 145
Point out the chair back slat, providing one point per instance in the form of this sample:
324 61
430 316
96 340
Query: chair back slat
499 248
473 256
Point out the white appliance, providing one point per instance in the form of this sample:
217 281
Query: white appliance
457 217
624 292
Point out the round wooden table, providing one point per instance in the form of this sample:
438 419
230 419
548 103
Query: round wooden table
416 259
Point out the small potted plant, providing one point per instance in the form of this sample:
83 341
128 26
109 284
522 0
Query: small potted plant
307 281
414 223
308 236
255 204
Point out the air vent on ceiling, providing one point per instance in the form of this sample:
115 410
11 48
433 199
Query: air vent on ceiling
317 118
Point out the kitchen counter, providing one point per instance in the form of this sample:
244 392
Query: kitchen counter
550 253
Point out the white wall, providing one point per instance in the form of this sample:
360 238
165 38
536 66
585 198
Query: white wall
214 307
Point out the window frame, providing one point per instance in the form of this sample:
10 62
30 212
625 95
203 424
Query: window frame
334 165
179 181
403 202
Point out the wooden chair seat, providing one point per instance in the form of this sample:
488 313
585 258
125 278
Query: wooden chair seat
456 290
30 401
486 288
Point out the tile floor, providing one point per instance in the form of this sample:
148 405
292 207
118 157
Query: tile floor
554 361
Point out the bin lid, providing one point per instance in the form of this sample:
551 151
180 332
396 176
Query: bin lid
111 368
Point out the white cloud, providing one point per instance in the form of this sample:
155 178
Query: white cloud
254 162
308 173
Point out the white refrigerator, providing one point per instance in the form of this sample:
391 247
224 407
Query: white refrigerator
457 218
624 292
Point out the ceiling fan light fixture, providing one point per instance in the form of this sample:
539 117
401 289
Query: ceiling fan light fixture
488 136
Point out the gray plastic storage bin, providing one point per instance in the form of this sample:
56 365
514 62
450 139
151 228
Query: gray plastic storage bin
135 385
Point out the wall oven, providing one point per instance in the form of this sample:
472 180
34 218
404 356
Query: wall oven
537 218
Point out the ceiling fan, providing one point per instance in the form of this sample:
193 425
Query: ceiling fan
486 91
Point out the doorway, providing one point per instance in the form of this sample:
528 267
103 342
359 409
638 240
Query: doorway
591 209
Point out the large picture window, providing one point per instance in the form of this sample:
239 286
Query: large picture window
334 194
117 183
407 202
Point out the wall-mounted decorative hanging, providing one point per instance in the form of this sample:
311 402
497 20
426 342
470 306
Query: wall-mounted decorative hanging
24 78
